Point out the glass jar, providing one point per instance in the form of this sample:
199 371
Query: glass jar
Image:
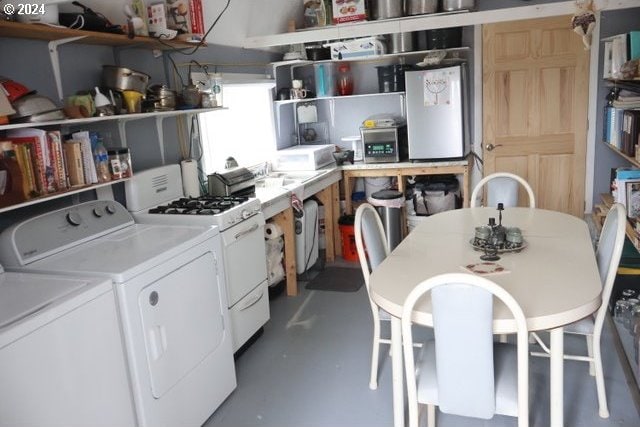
114 165
344 80
124 156
621 307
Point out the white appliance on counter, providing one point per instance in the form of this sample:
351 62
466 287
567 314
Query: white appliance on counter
304 157
62 361
170 293
155 196
437 116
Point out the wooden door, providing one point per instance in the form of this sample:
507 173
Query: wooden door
535 96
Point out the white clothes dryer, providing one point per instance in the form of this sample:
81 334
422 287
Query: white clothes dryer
62 360
171 297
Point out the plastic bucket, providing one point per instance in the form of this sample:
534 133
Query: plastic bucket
348 237
372 185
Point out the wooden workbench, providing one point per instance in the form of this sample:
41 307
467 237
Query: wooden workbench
329 197
400 171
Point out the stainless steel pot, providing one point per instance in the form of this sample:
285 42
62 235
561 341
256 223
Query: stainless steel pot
163 98
385 9
121 78
420 7
452 5
401 42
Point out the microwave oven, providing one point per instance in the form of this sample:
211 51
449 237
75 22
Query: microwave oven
384 144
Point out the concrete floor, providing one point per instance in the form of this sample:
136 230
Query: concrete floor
311 369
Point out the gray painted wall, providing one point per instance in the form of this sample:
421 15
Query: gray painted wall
27 61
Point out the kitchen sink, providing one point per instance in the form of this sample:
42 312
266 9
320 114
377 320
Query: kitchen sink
286 179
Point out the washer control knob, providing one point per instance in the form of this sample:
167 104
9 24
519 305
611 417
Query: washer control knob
98 212
74 218
111 209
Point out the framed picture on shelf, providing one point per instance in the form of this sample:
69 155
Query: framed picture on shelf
633 199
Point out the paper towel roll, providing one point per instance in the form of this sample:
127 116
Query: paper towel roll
190 181
272 231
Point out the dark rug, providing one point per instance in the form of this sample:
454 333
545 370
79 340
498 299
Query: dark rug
338 279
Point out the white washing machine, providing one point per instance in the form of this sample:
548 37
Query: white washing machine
62 361
171 298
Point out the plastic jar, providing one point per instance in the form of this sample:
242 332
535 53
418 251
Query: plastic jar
344 80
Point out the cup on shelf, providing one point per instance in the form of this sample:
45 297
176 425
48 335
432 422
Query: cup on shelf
85 101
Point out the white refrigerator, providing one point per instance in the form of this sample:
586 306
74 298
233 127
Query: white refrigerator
437 117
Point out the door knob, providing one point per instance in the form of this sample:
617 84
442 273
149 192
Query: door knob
490 147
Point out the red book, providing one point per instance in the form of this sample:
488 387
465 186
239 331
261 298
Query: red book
196 17
56 155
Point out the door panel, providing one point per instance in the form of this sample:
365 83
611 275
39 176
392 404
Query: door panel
535 75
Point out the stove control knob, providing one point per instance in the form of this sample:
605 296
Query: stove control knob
111 209
74 218
245 214
98 212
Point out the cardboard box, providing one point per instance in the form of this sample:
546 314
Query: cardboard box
348 11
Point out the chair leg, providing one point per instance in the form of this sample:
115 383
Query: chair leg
602 393
431 415
373 381
592 370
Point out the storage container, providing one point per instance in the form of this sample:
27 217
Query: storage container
304 157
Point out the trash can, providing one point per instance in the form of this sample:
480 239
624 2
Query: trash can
389 204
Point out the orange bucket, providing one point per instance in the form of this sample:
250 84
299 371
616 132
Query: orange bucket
349 250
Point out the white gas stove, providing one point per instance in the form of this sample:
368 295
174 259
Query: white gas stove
155 196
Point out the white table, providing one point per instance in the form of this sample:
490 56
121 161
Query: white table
555 279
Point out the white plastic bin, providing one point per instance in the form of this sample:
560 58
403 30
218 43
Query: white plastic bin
372 185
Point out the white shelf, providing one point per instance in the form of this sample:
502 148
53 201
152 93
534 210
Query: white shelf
53 196
432 21
120 117
364 95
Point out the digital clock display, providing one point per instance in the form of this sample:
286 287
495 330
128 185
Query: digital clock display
380 149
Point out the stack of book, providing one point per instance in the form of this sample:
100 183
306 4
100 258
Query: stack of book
36 162
626 189
622 123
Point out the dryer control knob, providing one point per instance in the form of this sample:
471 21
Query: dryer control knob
111 209
74 218
98 212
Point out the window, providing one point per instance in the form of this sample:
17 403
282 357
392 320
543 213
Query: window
244 131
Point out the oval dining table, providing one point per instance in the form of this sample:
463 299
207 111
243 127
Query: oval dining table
554 278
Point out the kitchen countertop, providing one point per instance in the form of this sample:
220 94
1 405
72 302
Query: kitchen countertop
276 199
402 165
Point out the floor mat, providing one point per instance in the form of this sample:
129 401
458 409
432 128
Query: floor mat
339 279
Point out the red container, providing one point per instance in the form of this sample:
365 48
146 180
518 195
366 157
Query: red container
349 250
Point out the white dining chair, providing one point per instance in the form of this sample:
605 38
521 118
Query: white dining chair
608 256
502 187
463 371
369 233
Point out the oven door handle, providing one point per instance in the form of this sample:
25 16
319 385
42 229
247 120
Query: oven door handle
253 228
252 301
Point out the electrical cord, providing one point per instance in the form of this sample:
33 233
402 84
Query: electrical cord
185 51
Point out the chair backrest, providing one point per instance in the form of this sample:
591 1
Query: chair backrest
608 256
369 233
502 187
463 328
